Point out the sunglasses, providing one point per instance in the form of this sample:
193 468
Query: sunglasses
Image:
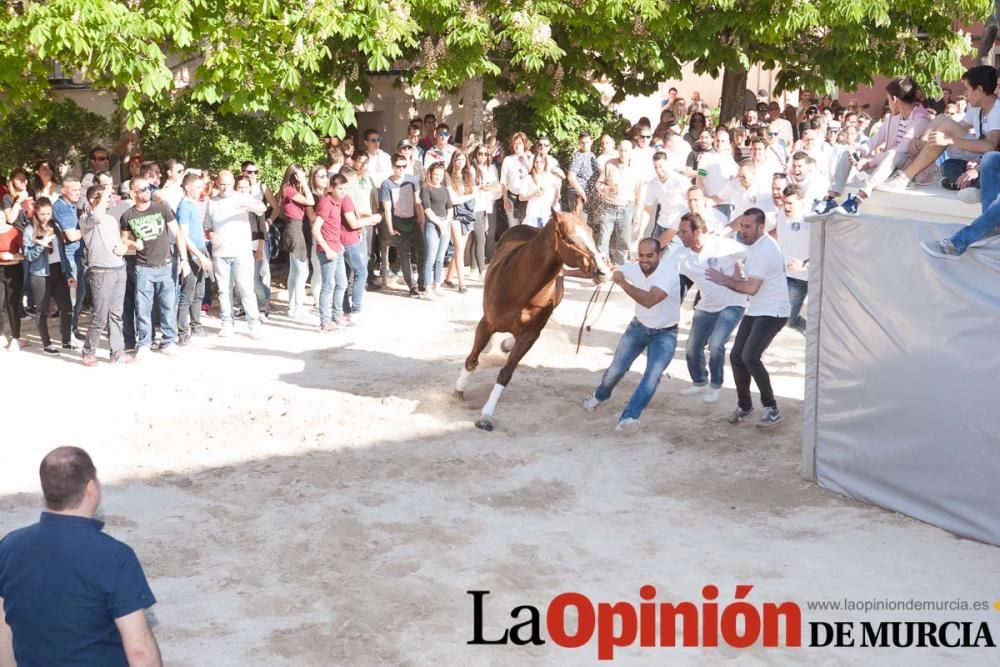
375 140
250 171
407 148
645 136
101 158
322 174
399 166
772 134
444 133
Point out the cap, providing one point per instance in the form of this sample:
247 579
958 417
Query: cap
404 142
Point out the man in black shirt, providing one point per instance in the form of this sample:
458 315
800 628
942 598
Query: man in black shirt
144 227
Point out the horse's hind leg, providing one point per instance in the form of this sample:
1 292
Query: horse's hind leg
522 344
483 333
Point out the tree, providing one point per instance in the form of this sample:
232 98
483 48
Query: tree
307 63
46 129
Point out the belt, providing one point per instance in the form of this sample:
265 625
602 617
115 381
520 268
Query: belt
107 268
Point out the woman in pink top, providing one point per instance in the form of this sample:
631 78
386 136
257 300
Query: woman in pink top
327 230
295 196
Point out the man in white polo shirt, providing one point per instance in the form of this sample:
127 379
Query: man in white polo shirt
655 287
764 282
719 310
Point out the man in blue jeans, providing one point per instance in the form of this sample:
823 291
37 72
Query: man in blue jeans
655 288
981 230
144 227
719 310
65 214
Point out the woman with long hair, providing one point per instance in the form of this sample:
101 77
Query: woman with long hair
487 195
50 274
326 230
513 171
436 201
295 196
461 179
696 125
45 180
11 281
540 191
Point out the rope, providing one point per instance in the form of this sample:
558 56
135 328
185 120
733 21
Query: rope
586 313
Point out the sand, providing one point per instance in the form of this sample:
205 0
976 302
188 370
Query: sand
323 499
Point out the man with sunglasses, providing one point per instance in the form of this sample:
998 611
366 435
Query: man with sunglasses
144 228
379 162
642 152
413 132
400 199
441 151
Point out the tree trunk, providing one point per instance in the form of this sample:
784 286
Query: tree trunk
474 101
734 85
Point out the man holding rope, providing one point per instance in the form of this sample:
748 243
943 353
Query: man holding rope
655 288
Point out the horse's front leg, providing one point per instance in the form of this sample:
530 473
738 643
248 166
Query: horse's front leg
483 333
522 344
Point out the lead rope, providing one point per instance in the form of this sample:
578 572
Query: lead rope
586 313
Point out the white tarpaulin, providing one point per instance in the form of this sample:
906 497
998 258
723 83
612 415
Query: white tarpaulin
903 372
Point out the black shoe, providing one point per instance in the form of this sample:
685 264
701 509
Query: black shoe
374 287
422 287
52 349
415 292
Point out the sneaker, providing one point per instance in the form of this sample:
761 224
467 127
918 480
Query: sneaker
356 318
590 403
970 195
438 291
738 415
200 331
943 249
123 358
140 353
70 346
897 182
329 326
225 331
170 350
373 287
770 417
15 345
414 293
204 307
52 349
712 395
826 206
850 206
628 425
89 360
183 339
256 333
693 390
947 183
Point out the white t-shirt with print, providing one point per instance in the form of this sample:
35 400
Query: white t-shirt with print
717 252
793 241
766 263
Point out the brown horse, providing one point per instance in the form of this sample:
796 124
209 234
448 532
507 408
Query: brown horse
524 285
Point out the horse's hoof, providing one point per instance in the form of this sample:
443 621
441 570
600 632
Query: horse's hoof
507 344
460 395
485 424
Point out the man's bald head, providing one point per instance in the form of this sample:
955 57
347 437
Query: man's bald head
648 245
65 472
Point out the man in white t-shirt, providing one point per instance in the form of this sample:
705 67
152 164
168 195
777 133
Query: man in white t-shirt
715 220
441 151
793 239
717 166
805 174
655 288
740 192
171 193
764 282
719 310
227 224
667 190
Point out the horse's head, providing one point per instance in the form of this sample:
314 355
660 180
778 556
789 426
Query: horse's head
577 248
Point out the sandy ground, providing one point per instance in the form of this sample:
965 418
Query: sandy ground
324 500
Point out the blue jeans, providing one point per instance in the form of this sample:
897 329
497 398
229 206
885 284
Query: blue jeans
714 330
797 291
989 184
298 273
659 345
356 259
155 283
77 266
435 247
262 279
616 222
238 269
333 286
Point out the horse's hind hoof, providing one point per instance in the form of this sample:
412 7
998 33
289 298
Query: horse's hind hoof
485 424
507 344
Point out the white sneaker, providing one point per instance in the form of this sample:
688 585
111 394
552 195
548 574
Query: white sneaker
590 403
712 395
628 425
693 390
225 331
897 182
437 291
170 350
14 346
256 333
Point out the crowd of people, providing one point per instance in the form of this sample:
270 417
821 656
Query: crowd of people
147 251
